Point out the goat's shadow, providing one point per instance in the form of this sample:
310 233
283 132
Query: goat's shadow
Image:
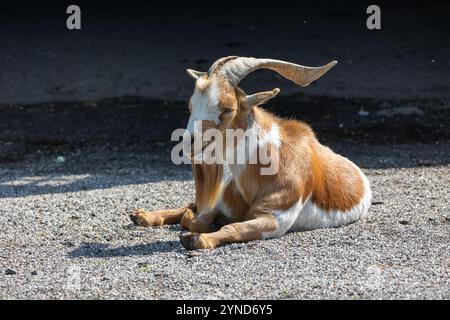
103 250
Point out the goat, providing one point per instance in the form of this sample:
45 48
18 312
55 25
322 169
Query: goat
313 187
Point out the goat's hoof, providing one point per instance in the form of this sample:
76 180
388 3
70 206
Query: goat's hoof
193 241
186 220
144 218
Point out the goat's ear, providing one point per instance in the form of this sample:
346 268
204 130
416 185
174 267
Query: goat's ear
261 97
195 74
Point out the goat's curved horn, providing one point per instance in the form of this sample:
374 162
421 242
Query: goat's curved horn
237 68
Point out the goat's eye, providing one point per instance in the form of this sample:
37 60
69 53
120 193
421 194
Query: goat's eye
227 111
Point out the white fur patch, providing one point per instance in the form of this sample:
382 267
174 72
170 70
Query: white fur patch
221 205
269 137
285 220
205 106
237 170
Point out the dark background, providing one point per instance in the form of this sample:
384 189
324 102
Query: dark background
121 79
142 47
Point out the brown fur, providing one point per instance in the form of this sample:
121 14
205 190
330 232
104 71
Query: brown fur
208 185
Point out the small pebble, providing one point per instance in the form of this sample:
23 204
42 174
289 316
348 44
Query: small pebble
60 159
10 272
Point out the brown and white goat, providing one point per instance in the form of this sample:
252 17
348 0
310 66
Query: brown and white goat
313 187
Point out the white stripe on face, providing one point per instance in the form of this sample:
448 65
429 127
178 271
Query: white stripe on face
205 106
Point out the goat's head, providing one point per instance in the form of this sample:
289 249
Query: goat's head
218 102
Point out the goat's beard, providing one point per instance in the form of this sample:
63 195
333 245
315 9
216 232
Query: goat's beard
208 180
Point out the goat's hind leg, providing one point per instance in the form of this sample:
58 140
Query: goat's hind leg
235 232
145 218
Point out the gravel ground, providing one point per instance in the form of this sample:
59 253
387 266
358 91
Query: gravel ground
65 233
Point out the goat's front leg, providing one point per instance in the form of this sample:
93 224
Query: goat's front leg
235 232
161 217
199 222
